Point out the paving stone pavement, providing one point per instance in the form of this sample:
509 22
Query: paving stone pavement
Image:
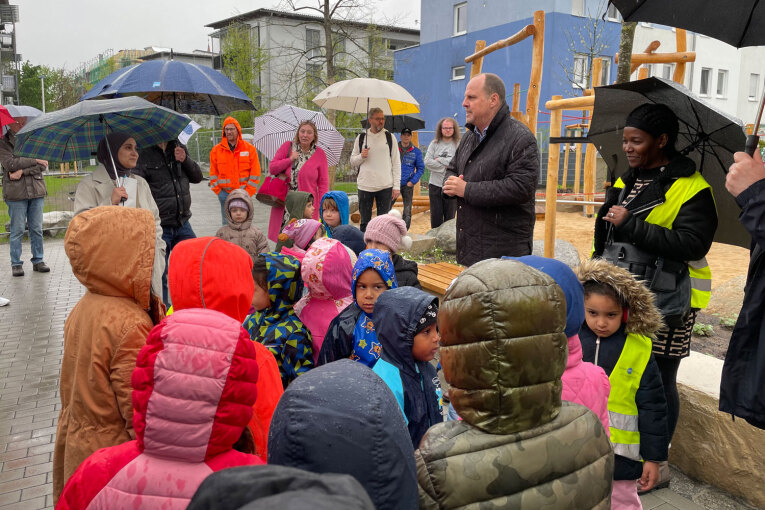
31 347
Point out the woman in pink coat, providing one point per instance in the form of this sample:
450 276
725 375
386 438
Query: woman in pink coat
326 270
304 164
193 392
583 383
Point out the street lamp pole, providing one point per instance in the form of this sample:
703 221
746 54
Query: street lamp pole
42 87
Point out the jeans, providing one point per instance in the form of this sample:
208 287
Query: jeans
222 196
441 209
407 192
172 236
23 212
384 199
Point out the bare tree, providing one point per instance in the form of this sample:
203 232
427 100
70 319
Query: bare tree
586 42
624 69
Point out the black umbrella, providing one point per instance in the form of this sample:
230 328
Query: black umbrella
396 123
707 135
737 22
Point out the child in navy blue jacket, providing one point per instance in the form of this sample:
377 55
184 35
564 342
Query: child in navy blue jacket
406 327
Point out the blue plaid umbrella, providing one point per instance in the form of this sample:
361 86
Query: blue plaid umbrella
183 87
73 133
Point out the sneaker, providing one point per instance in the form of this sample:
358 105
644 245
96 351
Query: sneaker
17 270
41 267
4 302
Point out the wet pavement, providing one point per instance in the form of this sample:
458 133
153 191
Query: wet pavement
31 347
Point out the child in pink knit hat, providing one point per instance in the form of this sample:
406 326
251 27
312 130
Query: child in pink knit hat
302 232
388 232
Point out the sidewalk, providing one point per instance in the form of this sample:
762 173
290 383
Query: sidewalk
31 347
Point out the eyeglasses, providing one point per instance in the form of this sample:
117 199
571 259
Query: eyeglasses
447 128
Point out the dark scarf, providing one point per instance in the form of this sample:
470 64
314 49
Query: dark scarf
115 142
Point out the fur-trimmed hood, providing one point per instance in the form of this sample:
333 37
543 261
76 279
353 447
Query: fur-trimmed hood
644 318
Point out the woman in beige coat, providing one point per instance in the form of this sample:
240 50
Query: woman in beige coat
107 186
111 250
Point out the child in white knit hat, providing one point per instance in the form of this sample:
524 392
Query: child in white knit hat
388 232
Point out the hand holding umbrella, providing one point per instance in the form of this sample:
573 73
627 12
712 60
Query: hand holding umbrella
744 172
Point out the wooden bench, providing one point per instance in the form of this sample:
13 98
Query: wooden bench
436 278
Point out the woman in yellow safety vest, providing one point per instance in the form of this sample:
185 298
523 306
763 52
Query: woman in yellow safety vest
663 206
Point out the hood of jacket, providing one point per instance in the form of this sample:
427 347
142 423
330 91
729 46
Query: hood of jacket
567 280
503 349
268 487
644 318
284 281
341 199
335 285
295 203
401 310
111 250
208 272
200 364
342 418
230 120
350 236
239 194
378 260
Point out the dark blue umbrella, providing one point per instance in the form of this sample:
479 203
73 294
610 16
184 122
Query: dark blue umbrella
185 88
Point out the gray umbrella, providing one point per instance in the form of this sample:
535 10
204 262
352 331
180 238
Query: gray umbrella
707 135
23 111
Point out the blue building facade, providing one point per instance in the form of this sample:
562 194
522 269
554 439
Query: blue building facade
450 28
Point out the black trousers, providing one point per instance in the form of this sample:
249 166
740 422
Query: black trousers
407 192
384 200
441 209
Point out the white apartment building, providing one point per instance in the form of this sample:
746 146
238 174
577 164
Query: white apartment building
294 45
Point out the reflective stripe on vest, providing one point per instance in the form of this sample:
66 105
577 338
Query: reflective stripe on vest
622 409
663 215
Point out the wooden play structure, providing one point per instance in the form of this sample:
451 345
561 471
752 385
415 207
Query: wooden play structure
536 31
558 104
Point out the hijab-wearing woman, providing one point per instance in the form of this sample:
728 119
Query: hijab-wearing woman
440 153
117 159
663 206
305 165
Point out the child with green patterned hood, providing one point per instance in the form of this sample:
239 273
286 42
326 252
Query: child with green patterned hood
274 323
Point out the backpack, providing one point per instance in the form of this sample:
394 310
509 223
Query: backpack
388 138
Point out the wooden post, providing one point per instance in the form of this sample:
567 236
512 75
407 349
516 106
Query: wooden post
643 73
516 97
551 191
537 58
578 168
477 65
590 160
565 158
682 46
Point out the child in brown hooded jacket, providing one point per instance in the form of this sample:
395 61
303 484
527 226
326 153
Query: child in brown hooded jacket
240 230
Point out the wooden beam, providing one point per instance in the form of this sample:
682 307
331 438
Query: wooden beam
516 97
551 190
571 103
571 132
682 45
477 65
522 34
664 58
578 167
537 58
643 73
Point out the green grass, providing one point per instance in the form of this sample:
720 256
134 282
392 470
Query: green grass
349 187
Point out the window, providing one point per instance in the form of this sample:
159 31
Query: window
580 71
605 77
312 42
460 18
722 83
577 7
666 71
313 77
706 78
754 86
458 73
612 13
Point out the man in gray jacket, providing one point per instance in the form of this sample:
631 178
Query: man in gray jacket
24 192
493 176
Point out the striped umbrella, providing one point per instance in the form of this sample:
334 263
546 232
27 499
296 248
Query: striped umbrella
278 126
73 133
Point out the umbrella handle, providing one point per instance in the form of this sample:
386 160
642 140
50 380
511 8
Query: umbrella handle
752 142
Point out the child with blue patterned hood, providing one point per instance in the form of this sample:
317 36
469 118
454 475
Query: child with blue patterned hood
274 323
352 333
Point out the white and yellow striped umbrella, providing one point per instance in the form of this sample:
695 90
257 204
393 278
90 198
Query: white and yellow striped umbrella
360 94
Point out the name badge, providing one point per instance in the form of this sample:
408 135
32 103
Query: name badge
244 153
